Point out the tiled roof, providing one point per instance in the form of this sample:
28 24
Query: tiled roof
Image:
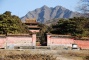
18 35
33 27
30 21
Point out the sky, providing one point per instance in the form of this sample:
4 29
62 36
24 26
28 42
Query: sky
22 7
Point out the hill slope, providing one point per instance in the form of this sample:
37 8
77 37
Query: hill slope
45 13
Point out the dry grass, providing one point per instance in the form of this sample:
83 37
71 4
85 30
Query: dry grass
83 54
86 58
42 54
23 55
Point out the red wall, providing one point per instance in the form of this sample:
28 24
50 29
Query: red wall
66 41
17 41
82 44
2 42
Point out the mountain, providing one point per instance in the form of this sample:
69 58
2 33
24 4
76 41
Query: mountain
46 13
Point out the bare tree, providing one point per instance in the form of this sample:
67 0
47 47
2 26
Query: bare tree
83 7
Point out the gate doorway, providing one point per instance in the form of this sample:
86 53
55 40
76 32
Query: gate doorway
41 40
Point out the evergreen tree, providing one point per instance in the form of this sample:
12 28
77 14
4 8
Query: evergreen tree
77 26
11 24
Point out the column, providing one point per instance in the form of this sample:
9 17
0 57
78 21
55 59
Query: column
34 39
48 39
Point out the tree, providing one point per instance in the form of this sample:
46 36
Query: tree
43 30
7 13
11 24
83 7
77 26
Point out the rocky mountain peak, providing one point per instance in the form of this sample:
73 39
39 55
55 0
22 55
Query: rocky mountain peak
46 13
45 6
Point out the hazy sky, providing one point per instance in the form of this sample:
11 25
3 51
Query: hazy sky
21 7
